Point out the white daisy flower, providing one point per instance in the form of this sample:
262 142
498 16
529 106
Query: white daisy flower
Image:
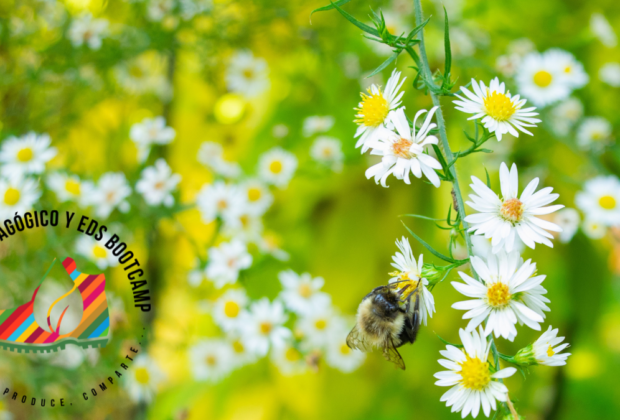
144 74
317 124
594 229
144 379
403 150
503 219
247 75
501 112
110 193
594 134
17 196
197 275
157 184
26 155
565 115
85 30
226 261
157 10
259 198
270 243
289 360
148 132
600 200
217 199
211 155
540 79
210 360
572 71
338 354
374 108
482 246
601 28
300 292
315 325
243 225
409 270
95 251
610 73
471 377
545 351
69 188
510 293
264 326
280 130
228 309
568 219
239 354
277 167
508 64
328 151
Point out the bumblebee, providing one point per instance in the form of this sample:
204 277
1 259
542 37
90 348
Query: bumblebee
383 322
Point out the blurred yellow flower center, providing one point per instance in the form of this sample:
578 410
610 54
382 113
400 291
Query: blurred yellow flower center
99 251
110 196
211 360
292 354
512 210
597 135
373 109
475 374
344 349
231 309
607 202
499 106
254 194
222 204
568 69
245 220
136 71
401 148
25 154
543 78
320 324
159 185
550 351
275 167
498 295
327 152
305 290
72 186
11 196
142 375
238 347
248 73
266 327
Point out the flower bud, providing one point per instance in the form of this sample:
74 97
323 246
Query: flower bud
526 356
433 273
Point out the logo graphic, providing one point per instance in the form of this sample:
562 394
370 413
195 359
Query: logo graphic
20 332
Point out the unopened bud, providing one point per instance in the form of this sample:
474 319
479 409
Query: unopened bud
433 273
526 357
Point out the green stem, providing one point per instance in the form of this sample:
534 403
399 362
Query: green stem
445 146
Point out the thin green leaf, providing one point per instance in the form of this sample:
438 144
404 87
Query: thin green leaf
430 248
488 178
447 46
356 22
447 343
418 216
384 64
326 8
485 150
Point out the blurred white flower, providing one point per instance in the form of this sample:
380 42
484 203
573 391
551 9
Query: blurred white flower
315 324
157 10
572 71
540 79
317 124
300 292
26 155
280 130
610 74
259 198
217 199
143 379
148 132
228 309
568 219
17 196
196 276
239 354
110 193
277 167
85 30
226 261
601 28
600 200
507 65
521 47
157 184
243 225
328 151
211 155
594 134
144 74
263 326
565 115
210 360
69 188
190 8
96 251
247 75
594 229
289 360
338 354
270 244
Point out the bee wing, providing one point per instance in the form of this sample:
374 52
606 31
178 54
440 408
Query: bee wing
392 355
356 340
412 322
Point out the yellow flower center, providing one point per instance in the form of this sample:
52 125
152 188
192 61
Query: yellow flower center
373 110
222 204
327 152
498 295
543 78
238 347
305 290
245 220
292 354
320 324
550 351
211 360
72 187
475 374
25 154
568 69
11 196
142 375
248 73
499 106
275 167
99 251
401 148
512 210
265 327
254 194
231 309
159 185
136 71
344 349
607 202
